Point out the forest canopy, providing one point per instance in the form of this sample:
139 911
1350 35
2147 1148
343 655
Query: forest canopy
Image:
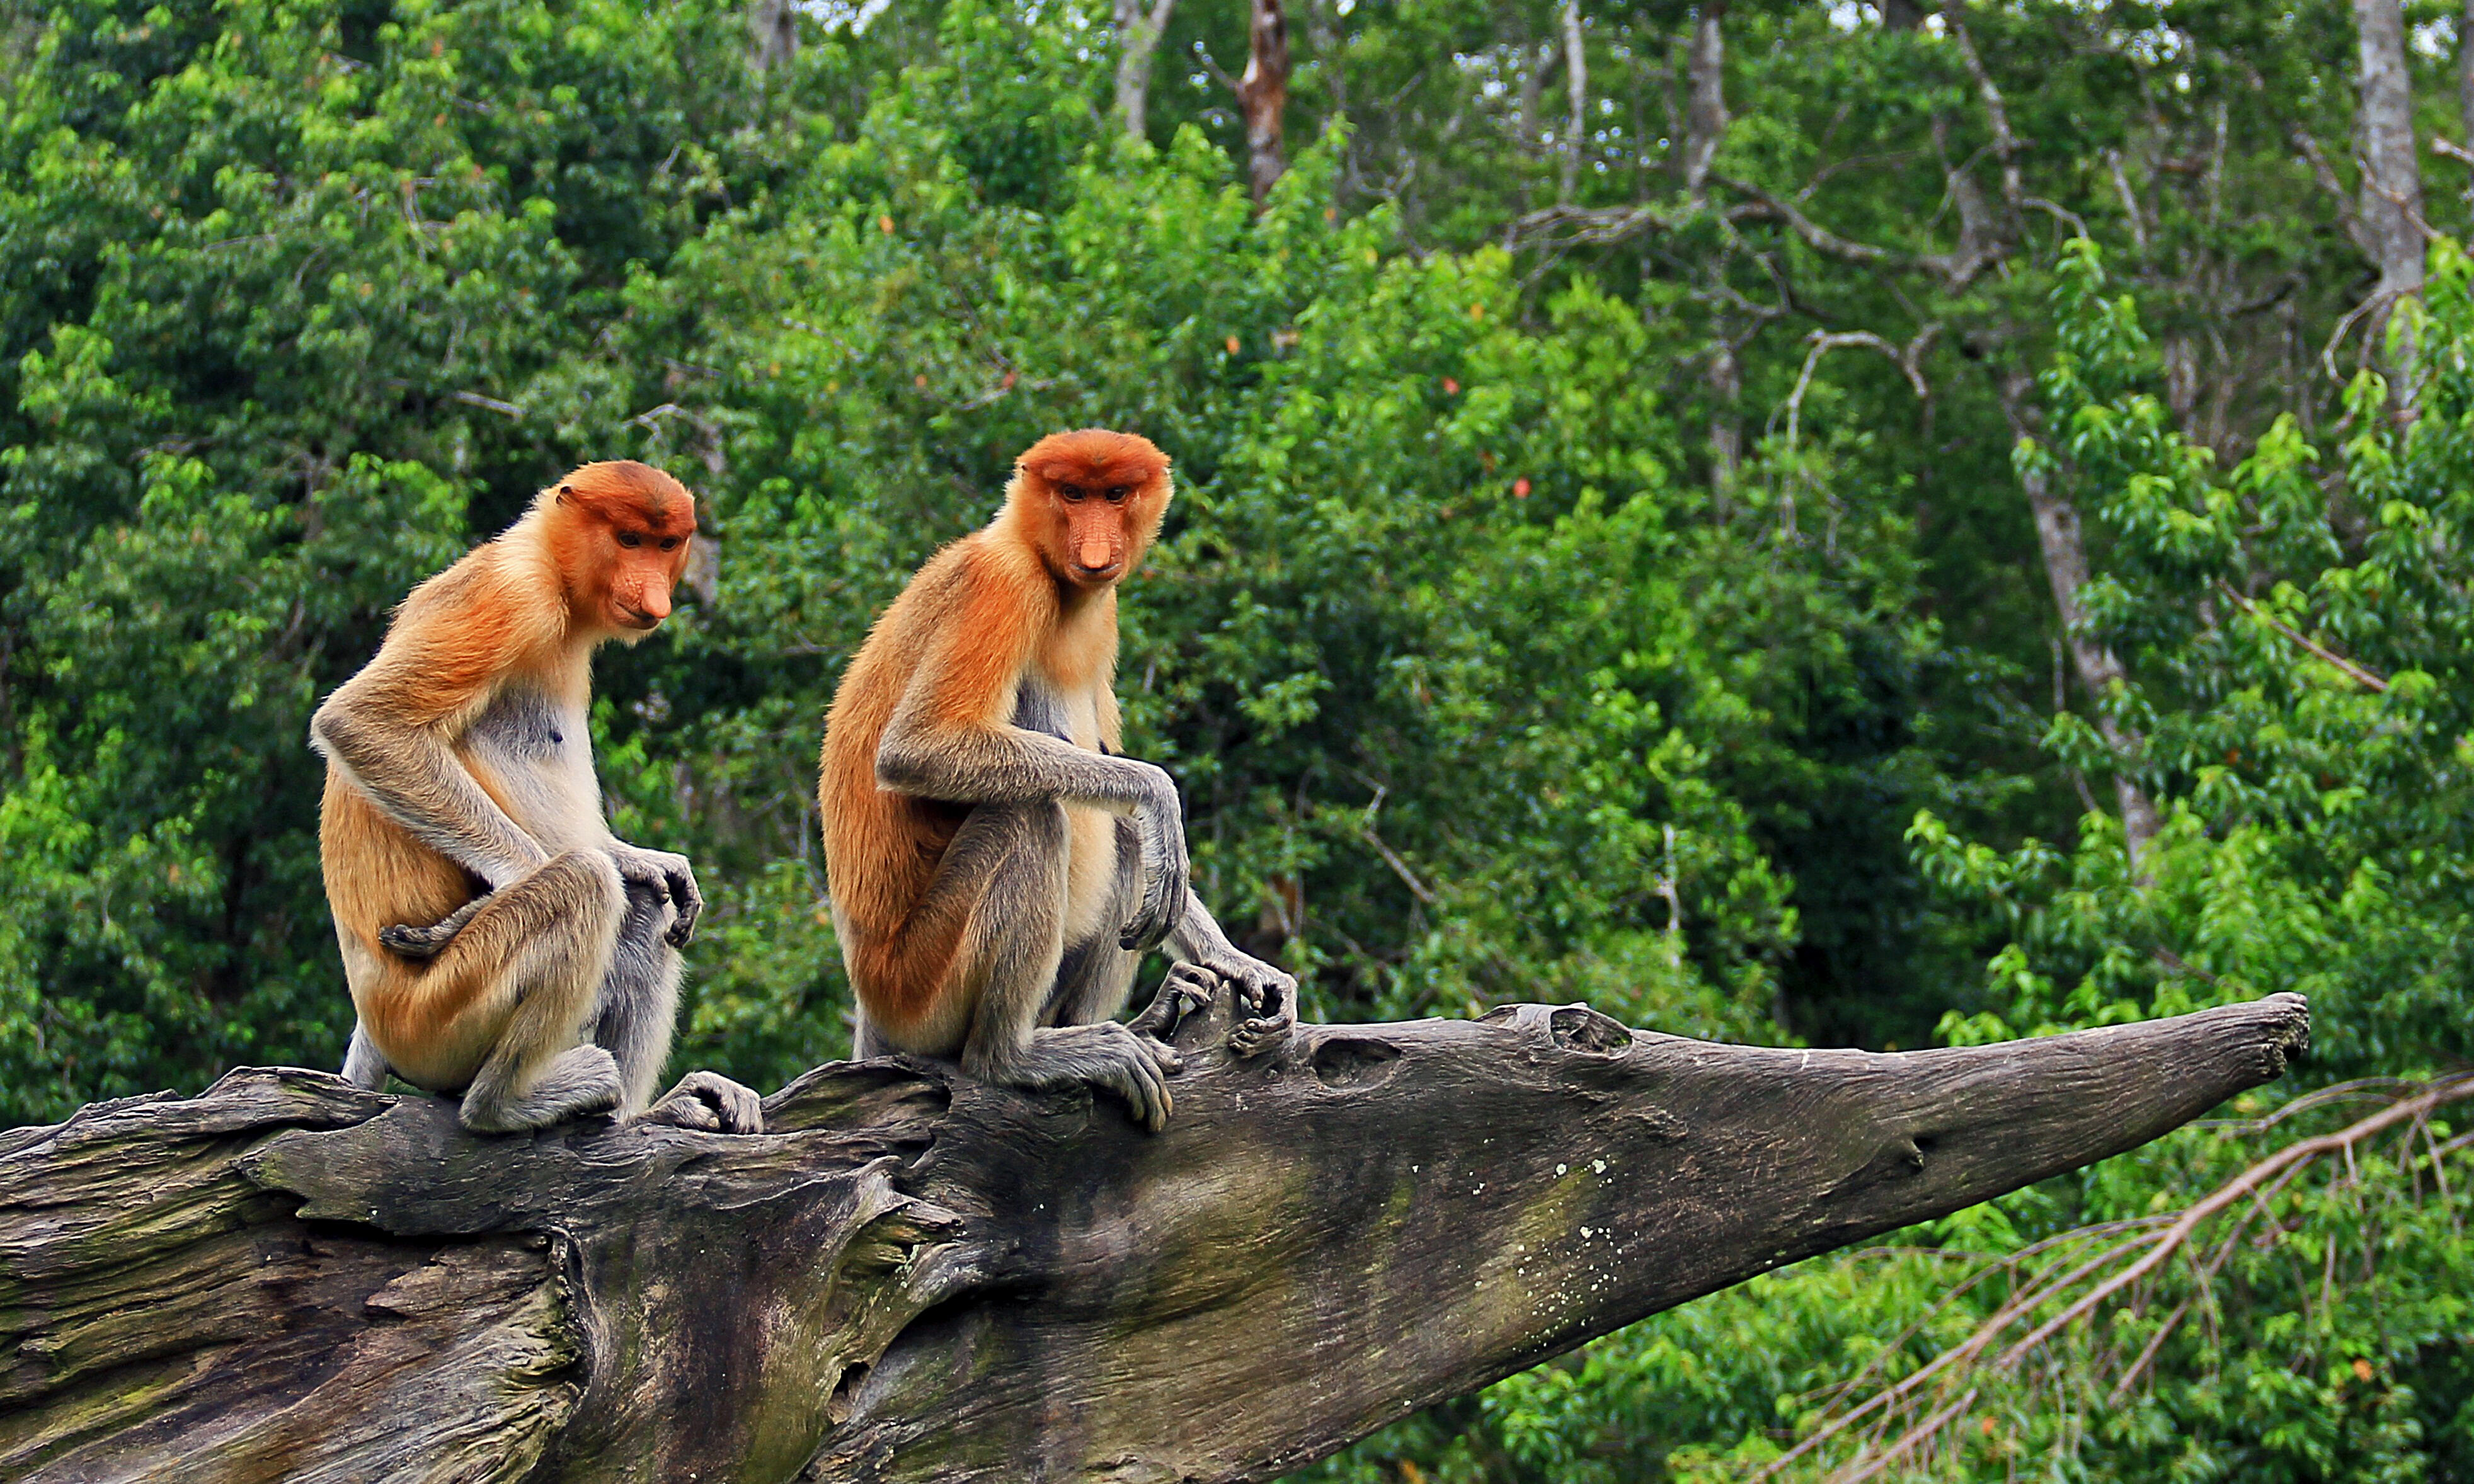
1804 524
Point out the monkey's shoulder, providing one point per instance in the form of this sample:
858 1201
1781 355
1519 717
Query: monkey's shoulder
493 594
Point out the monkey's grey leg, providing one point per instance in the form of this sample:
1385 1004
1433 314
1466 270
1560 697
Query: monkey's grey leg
637 1007
634 1014
866 1040
1097 978
553 934
1094 979
1010 859
363 1066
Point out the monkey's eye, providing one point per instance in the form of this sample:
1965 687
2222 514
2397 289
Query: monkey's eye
669 543
1117 494
630 540
1071 492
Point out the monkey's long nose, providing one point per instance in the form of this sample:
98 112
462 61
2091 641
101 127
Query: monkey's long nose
652 602
1095 554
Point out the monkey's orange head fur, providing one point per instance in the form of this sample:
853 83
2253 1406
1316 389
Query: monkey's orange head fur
1090 501
618 532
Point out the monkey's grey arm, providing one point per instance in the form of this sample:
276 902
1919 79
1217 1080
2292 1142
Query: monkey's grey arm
1010 765
416 780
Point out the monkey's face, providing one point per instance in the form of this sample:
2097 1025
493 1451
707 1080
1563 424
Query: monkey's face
646 558
622 545
1095 499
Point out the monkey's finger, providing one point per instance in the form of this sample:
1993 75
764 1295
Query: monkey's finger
686 1110
742 1111
690 902
1156 1102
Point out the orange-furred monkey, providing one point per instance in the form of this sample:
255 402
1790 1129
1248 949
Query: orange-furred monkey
460 794
996 868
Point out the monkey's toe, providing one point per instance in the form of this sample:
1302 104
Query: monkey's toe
1254 1037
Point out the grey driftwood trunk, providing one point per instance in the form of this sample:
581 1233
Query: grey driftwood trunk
916 1278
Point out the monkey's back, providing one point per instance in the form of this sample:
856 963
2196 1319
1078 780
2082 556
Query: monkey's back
882 847
377 873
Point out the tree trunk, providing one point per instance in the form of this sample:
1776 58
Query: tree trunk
1138 39
1705 109
2099 670
1576 88
915 1277
775 27
2466 72
1263 94
2391 209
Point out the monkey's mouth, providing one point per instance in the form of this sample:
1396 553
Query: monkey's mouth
638 620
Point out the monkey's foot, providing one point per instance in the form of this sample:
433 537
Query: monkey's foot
1187 991
1103 1055
421 943
581 1080
411 943
1267 998
1250 1038
709 1101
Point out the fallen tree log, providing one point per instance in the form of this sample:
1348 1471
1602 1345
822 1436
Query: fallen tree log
912 1277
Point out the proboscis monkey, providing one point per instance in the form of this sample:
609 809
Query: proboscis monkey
499 943
997 869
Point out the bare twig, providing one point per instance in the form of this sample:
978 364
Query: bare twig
2352 671
1822 342
487 403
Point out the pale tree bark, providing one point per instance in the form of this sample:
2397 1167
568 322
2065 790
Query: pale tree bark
2064 549
1263 94
2466 72
1705 126
1138 39
2391 187
1576 83
915 1277
776 31
1705 107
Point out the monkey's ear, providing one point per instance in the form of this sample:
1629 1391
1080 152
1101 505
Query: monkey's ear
563 492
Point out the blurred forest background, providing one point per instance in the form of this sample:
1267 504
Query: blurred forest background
1792 523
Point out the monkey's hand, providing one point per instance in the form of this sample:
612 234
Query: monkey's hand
1159 823
709 1101
670 874
1267 999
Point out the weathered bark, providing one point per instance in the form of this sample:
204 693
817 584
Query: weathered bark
1263 94
1138 39
912 1277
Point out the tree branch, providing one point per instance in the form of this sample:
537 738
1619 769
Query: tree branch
915 1277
